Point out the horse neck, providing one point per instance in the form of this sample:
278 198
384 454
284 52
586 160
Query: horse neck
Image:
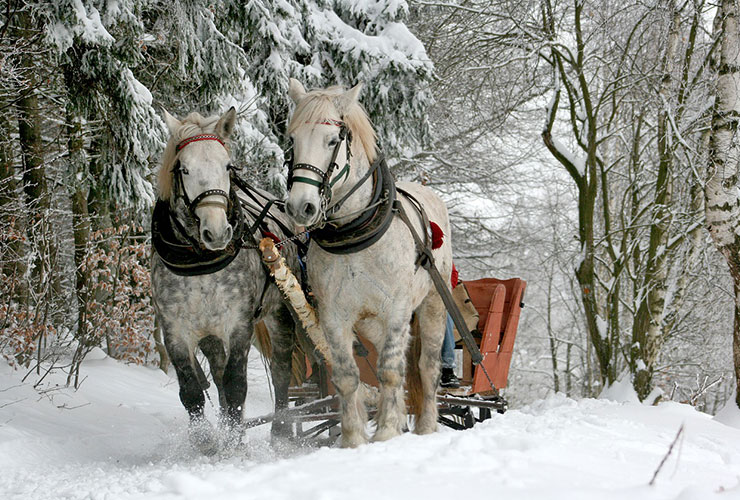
361 198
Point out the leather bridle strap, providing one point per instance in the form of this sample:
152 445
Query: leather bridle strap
326 181
198 201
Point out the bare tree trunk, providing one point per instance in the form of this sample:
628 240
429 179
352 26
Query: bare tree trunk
13 264
721 189
32 152
80 217
587 182
551 336
647 331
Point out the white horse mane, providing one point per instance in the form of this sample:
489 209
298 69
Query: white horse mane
191 125
316 105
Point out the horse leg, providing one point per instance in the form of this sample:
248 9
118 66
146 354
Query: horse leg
213 349
432 329
191 391
391 416
282 333
235 380
346 378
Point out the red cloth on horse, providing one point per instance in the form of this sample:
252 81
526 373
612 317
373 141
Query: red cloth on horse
437 240
437 235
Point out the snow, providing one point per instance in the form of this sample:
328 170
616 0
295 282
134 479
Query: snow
122 435
87 25
730 414
620 391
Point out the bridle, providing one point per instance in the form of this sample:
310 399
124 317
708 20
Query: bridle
326 183
180 190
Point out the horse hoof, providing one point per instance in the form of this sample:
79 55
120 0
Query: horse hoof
352 441
385 434
281 428
203 437
232 436
422 428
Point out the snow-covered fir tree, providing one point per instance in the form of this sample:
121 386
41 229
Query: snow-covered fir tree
328 43
98 47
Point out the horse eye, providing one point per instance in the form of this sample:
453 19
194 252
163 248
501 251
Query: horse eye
184 171
334 141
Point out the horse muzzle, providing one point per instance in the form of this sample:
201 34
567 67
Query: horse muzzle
216 240
303 212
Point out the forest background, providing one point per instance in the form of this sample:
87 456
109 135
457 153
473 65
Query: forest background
584 146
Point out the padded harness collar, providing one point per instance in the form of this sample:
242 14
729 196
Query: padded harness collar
183 254
371 225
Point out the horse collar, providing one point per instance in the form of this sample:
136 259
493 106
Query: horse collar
183 254
371 225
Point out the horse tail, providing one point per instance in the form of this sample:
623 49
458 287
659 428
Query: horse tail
262 340
414 393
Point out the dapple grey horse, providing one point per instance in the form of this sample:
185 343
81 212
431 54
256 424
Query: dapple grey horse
208 306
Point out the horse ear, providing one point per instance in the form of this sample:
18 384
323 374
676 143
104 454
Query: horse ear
296 91
172 123
350 97
225 125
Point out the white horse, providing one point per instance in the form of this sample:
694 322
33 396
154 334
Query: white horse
374 286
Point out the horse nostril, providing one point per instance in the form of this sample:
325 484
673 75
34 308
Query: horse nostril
229 232
207 236
289 209
309 209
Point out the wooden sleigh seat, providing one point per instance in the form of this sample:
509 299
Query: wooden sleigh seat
499 303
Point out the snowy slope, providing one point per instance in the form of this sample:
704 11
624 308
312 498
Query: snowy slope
123 435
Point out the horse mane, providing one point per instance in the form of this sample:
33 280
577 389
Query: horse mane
316 105
191 125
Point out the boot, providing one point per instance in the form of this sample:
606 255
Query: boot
449 380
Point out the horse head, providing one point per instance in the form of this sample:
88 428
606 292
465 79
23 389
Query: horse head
322 129
195 176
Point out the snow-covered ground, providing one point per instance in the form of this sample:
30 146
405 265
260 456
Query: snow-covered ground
123 435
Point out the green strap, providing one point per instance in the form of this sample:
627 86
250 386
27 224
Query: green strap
307 180
342 173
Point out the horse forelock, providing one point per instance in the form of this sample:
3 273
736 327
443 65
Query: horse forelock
316 106
191 125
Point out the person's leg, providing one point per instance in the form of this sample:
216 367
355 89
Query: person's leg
448 346
448 357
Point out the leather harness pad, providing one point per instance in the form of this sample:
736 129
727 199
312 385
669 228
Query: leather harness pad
182 256
367 229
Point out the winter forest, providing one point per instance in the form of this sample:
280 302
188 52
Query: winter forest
586 146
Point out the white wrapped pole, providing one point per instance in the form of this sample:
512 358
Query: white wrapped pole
288 284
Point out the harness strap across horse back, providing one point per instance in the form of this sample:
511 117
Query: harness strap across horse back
426 260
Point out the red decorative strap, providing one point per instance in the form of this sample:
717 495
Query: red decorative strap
272 236
329 121
201 137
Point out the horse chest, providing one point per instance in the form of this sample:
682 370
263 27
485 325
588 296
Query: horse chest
212 304
366 281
